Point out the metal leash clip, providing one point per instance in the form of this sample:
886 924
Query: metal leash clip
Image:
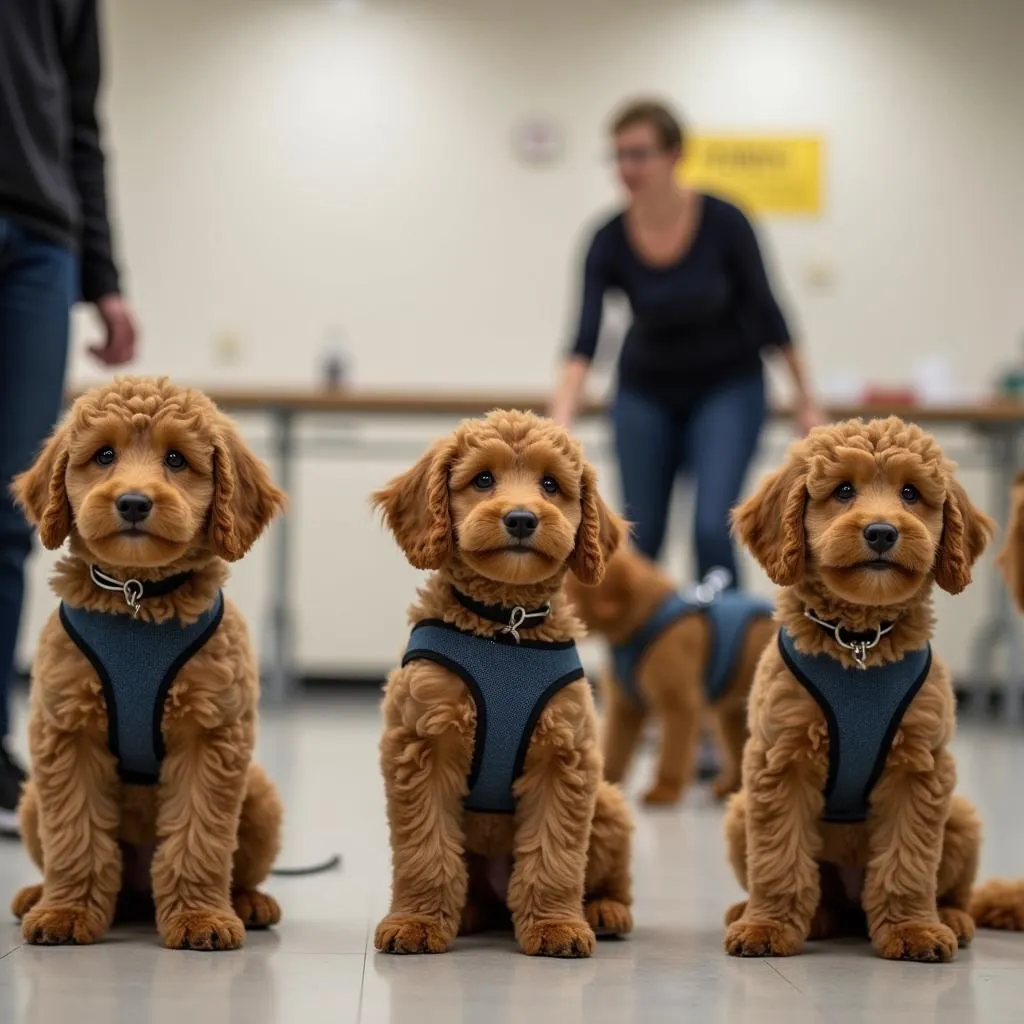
132 590
515 621
859 648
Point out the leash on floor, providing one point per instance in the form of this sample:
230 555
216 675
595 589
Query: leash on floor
331 864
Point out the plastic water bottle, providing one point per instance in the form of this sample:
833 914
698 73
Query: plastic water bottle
335 363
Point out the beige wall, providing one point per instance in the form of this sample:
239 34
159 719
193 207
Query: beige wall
282 166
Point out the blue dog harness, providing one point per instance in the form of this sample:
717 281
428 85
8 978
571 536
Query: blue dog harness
137 663
863 708
510 683
729 616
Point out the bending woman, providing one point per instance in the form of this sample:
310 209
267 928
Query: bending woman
691 393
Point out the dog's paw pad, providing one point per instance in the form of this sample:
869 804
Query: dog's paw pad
410 933
255 909
206 930
753 938
58 925
921 941
608 917
959 922
568 939
25 899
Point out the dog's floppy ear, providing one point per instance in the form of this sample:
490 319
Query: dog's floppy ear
1009 560
245 499
771 522
42 494
965 532
416 510
599 535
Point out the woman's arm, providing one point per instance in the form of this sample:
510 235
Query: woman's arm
807 414
596 280
752 276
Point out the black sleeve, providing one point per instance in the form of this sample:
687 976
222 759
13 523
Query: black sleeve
82 65
752 280
597 279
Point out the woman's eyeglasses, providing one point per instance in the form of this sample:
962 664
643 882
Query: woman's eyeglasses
634 154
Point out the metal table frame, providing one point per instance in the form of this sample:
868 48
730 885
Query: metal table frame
999 426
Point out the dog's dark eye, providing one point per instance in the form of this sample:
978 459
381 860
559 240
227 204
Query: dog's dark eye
484 481
844 492
549 485
105 456
175 460
909 493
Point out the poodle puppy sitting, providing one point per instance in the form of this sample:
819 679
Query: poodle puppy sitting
144 689
679 656
999 903
846 819
495 800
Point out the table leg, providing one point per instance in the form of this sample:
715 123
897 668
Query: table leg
279 664
1003 624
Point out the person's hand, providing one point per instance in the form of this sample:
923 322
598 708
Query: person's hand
118 347
561 414
808 415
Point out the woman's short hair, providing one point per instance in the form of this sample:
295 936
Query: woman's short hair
667 127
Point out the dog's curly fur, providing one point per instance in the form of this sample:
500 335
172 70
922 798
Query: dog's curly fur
999 903
915 858
670 679
568 842
211 826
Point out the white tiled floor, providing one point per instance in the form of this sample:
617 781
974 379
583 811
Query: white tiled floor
319 964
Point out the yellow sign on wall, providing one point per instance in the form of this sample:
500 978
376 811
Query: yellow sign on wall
763 173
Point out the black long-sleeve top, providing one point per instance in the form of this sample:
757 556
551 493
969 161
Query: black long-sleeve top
697 323
51 161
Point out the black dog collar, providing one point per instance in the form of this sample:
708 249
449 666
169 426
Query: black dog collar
513 619
857 642
136 591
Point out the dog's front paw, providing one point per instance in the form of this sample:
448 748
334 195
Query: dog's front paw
411 933
608 917
663 794
999 904
924 941
25 899
55 925
570 938
256 909
213 929
761 938
735 912
959 922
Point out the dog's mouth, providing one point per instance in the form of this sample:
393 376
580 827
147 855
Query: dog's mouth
876 565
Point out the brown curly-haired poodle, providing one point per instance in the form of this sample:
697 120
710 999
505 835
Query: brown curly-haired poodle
495 799
671 658
847 818
144 688
999 903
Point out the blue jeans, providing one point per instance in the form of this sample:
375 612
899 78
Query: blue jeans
712 439
37 289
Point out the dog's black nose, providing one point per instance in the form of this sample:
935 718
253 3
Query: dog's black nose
520 524
881 536
133 508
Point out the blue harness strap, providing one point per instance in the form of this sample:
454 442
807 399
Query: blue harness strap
137 663
728 616
863 708
510 685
